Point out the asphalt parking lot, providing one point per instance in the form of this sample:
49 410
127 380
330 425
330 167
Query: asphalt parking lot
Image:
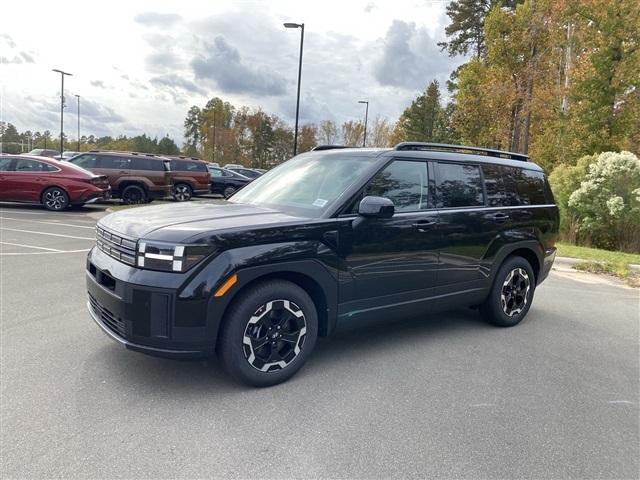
447 397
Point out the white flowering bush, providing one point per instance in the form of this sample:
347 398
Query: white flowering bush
607 202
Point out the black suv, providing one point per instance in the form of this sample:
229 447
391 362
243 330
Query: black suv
326 239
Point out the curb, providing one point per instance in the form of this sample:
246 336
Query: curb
567 263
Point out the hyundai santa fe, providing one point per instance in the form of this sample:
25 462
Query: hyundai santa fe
326 239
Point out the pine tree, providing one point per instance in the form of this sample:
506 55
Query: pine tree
466 30
419 121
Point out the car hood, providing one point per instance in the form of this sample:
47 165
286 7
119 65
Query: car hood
181 222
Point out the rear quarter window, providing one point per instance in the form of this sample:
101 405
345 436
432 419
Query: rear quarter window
500 185
531 186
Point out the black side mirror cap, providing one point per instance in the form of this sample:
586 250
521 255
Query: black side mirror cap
378 207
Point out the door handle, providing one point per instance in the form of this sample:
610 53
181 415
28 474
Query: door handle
424 225
499 217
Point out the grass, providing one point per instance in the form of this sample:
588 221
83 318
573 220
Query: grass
598 260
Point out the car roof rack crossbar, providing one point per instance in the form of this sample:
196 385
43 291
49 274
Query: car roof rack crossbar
443 147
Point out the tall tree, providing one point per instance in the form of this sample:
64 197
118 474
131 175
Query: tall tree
352 132
167 146
307 138
466 28
328 132
379 133
192 127
419 121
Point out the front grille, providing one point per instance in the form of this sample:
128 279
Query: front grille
113 323
116 246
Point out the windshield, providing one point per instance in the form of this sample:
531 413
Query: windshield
305 185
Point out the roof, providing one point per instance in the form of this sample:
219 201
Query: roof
436 151
129 154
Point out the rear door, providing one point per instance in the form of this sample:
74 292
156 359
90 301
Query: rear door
7 185
466 228
29 179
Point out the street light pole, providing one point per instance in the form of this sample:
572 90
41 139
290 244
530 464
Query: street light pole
62 74
295 133
366 117
78 97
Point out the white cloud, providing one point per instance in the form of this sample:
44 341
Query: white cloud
142 64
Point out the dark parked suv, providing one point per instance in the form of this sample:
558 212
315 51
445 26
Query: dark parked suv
134 177
325 240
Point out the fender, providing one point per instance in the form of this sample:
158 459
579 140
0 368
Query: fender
499 250
307 259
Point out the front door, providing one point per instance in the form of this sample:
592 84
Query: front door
392 261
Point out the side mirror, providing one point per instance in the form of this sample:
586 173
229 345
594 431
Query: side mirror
378 207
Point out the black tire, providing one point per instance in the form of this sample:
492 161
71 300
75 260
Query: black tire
55 199
511 294
182 192
270 310
228 191
133 194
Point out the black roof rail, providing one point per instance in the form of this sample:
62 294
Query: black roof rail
443 147
328 147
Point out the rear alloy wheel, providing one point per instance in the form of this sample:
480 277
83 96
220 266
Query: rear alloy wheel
55 199
182 192
228 192
511 294
268 333
133 194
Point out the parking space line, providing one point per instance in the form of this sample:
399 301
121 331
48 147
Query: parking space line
48 223
84 250
31 246
46 233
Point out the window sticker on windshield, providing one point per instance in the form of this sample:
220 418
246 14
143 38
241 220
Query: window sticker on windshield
319 202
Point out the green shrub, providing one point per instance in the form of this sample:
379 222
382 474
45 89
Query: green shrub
604 210
566 179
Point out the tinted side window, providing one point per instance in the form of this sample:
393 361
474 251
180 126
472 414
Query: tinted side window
460 185
215 172
5 164
86 161
403 182
141 163
116 163
500 185
25 165
531 187
186 166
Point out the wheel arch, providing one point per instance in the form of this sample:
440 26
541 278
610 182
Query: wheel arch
531 251
54 185
310 275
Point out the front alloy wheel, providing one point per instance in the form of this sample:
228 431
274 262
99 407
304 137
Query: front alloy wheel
268 332
274 335
515 290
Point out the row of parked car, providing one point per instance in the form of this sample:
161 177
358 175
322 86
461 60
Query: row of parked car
96 175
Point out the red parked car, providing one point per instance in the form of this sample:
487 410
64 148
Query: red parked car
52 183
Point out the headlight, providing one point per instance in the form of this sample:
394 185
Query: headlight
170 257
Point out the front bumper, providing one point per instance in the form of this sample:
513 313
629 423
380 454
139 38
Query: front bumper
155 351
148 319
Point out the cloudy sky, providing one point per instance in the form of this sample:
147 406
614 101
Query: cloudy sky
139 65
